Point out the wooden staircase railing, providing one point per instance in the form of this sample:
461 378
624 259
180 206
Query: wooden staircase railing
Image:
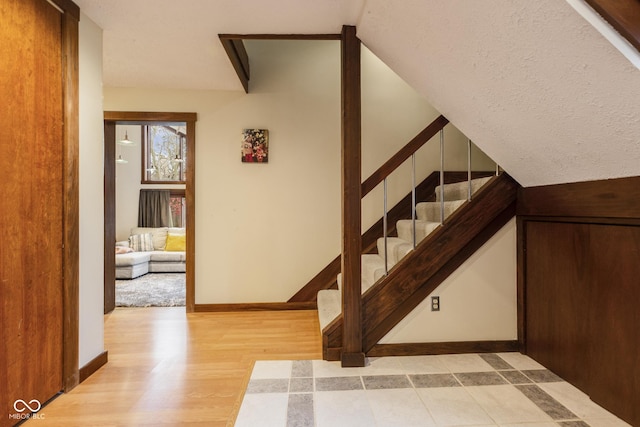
425 191
421 271
352 194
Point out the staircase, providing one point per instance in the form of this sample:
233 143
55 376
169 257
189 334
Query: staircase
388 298
373 265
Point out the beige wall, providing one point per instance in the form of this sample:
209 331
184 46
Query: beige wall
263 230
91 192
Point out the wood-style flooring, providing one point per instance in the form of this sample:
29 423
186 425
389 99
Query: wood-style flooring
167 367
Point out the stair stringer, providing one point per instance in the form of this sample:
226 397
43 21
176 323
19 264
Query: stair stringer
419 273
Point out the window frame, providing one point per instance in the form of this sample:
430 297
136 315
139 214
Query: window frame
145 146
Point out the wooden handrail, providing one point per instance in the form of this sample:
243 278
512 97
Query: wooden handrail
403 154
623 15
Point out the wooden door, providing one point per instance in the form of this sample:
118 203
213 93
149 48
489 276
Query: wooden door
31 214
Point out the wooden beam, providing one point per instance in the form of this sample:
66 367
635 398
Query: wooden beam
352 354
281 36
239 59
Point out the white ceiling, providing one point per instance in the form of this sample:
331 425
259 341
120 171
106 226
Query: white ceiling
174 44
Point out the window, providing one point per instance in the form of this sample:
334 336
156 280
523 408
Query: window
164 153
178 205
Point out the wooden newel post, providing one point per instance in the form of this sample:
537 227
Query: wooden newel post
352 354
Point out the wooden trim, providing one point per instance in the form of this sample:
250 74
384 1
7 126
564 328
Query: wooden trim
239 59
325 279
96 363
431 348
190 201
109 216
403 154
257 306
613 198
281 36
71 202
352 354
582 220
521 244
141 118
69 8
623 15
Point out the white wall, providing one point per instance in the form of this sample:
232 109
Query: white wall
128 177
91 192
477 302
264 230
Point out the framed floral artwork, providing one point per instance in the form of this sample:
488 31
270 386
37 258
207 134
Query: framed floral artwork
255 145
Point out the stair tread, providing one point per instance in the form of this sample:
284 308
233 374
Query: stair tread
397 248
423 229
459 190
430 211
329 306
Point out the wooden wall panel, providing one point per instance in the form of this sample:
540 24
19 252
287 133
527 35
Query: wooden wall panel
580 282
614 318
557 295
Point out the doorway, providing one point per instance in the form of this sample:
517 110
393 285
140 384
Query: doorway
169 120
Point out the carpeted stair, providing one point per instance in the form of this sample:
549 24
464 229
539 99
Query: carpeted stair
427 220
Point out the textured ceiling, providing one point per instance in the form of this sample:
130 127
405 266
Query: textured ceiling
174 44
530 82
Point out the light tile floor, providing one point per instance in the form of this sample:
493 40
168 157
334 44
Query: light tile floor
505 389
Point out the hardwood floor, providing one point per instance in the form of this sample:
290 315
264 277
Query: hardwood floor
167 367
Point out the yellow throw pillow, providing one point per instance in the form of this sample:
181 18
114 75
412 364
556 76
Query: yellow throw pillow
176 243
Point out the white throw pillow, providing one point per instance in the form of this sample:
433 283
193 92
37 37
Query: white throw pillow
158 234
141 242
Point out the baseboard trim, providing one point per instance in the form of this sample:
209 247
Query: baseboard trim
96 363
429 348
258 306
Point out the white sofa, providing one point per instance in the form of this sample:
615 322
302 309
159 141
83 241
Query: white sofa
134 264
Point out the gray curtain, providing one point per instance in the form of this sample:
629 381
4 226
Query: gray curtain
154 209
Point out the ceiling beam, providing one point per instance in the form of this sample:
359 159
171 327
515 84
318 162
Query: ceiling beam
239 59
234 46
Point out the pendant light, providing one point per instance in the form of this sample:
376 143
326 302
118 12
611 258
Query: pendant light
126 140
120 160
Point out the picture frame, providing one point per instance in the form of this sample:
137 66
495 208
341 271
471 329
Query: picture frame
255 146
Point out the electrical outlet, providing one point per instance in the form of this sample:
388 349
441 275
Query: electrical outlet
435 303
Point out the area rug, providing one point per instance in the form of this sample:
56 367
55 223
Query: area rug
152 290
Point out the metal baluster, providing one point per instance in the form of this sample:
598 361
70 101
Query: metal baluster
413 196
469 168
441 176
384 229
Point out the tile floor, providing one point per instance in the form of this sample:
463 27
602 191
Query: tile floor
505 389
